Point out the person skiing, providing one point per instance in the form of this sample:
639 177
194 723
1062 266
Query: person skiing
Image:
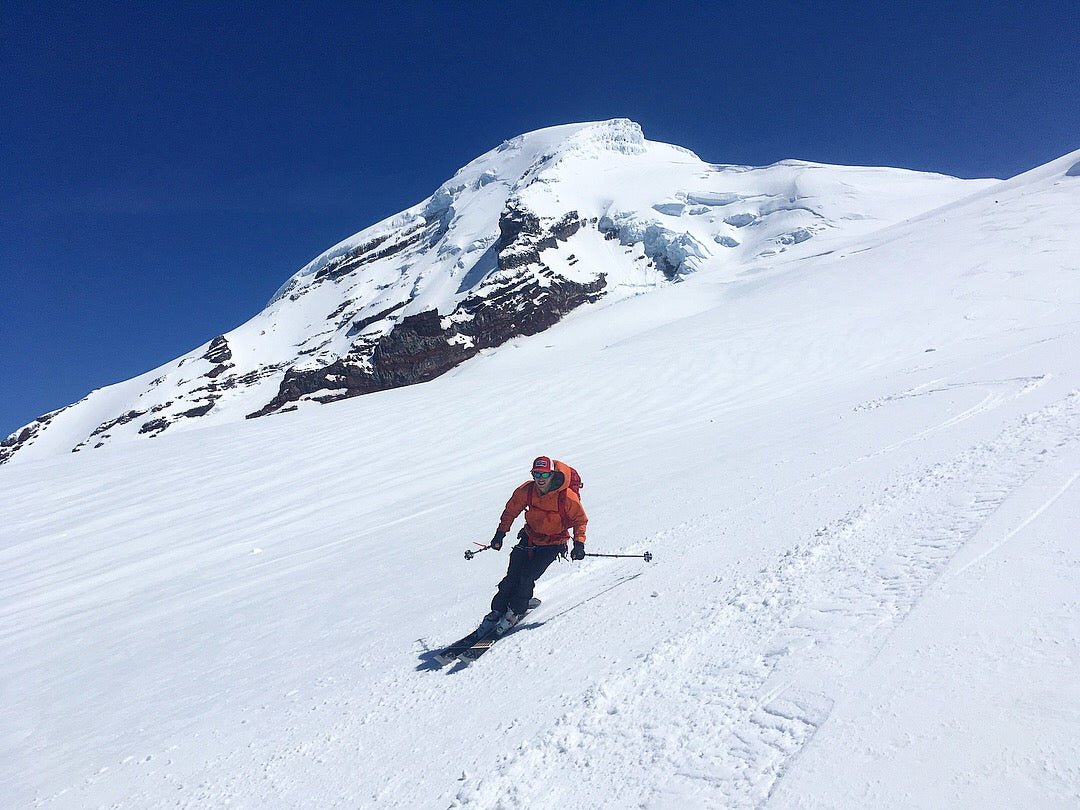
552 507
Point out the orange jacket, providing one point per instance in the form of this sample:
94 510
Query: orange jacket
548 515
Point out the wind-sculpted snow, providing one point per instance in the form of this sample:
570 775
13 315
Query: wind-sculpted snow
858 475
516 240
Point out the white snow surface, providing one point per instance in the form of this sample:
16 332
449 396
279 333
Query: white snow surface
858 473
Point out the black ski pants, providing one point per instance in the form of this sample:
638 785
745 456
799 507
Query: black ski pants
527 564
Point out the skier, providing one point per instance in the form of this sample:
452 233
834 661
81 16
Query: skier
552 507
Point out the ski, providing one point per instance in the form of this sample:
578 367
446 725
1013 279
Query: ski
482 645
451 652
472 646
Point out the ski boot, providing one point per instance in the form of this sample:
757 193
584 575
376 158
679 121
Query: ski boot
488 624
506 621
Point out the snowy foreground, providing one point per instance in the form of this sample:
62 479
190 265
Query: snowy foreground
858 474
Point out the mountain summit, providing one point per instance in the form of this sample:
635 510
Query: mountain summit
536 228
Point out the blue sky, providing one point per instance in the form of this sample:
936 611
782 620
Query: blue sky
164 167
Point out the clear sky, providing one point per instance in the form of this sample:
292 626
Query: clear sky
164 166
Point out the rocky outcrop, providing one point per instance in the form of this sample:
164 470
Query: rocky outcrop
419 234
219 351
523 297
424 346
219 354
415 350
10 446
522 236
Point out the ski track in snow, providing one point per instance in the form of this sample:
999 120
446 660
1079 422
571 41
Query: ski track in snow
720 731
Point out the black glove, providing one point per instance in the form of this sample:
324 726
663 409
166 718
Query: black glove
496 541
578 552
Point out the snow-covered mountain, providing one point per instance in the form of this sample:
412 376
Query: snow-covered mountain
858 472
526 233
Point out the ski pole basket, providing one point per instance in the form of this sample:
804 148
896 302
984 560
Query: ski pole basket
469 554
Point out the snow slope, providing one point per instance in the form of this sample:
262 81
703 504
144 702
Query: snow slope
858 473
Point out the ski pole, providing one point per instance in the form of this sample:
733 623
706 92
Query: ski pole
470 553
647 556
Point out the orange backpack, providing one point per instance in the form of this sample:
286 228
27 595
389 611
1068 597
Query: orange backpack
575 486
575 480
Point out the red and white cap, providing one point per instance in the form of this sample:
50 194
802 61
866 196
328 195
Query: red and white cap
542 464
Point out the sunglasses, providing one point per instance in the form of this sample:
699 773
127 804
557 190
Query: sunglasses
541 476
